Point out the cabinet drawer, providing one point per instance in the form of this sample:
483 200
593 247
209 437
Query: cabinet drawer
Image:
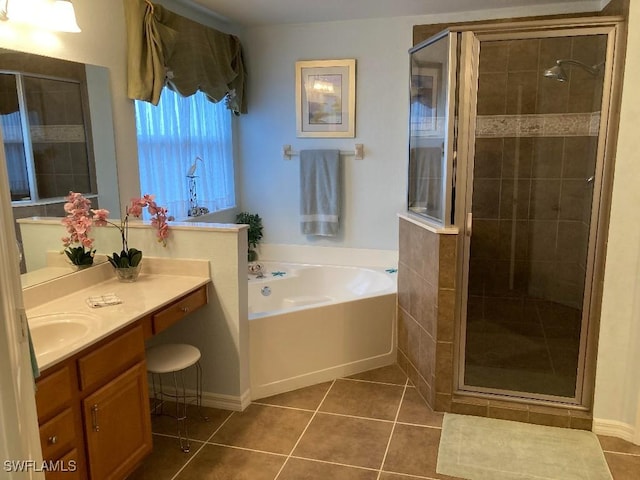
57 435
67 468
53 393
171 314
112 358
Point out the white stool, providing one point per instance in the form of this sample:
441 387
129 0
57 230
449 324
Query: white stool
174 359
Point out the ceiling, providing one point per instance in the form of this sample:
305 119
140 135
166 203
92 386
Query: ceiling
273 12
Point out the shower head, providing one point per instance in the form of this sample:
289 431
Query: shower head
557 72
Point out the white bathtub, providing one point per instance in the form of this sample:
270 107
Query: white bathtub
312 323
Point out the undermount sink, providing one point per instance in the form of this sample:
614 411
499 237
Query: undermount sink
54 331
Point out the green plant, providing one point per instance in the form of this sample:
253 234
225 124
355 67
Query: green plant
254 234
79 256
128 258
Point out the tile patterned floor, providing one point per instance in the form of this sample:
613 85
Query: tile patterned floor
372 426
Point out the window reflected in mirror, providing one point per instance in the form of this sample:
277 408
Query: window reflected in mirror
45 132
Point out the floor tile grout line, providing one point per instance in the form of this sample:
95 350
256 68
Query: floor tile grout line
395 420
325 412
369 469
355 416
202 446
377 382
350 416
546 341
246 449
309 410
419 425
305 430
621 453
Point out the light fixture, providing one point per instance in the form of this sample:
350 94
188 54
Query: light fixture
63 16
56 15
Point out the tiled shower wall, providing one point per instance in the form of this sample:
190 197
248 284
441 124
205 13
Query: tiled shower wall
426 305
426 326
535 152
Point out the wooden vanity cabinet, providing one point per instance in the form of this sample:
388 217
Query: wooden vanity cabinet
60 423
115 405
93 408
117 425
178 310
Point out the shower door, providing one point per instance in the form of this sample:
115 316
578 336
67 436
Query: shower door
532 195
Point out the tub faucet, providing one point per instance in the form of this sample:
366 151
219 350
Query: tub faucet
256 269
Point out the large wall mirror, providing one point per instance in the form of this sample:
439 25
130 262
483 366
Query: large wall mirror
57 125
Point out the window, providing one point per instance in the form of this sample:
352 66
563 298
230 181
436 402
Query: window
171 136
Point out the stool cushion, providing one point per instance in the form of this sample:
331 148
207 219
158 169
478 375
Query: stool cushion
172 357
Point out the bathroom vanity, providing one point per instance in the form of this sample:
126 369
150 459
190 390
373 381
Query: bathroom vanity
92 396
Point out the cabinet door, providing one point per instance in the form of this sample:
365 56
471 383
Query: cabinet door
118 425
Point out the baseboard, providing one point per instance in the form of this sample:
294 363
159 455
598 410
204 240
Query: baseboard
612 428
218 400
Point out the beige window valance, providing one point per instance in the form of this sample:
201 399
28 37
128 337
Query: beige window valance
167 49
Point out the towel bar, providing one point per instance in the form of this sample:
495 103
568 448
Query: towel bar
358 152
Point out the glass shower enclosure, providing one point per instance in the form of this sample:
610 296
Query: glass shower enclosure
523 182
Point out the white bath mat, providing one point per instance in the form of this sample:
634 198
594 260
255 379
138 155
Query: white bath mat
479 448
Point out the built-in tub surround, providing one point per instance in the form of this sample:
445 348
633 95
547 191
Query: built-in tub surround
313 323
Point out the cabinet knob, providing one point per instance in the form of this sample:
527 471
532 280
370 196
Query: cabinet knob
52 440
184 309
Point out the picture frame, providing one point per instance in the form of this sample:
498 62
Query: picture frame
425 101
326 98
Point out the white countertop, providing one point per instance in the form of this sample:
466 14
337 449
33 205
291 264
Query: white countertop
150 292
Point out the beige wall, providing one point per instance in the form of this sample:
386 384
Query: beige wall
102 42
617 380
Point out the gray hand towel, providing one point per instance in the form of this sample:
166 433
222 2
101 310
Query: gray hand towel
320 192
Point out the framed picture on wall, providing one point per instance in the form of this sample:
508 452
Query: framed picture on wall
425 84
326 98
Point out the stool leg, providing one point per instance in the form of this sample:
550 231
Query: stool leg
161 394
181 420
199 391
158 399
155 394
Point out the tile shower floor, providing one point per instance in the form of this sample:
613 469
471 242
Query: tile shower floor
372 426
522 344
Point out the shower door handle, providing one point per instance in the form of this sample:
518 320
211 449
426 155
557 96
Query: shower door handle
469 223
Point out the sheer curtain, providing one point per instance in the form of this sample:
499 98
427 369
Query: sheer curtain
170 137
14 151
